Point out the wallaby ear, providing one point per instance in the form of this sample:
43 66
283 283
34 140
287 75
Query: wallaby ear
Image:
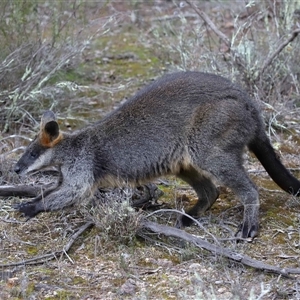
49 130
52 129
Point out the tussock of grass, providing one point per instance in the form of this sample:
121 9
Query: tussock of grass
114 217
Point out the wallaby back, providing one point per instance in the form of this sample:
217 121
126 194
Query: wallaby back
190 124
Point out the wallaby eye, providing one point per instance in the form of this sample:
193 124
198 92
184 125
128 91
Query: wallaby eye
33 154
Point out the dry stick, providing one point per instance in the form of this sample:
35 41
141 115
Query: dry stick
235 256
172 17
22 190
53 255
237 58
197 223
209 22
3 156
269 60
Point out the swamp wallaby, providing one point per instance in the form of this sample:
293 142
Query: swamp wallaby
191 124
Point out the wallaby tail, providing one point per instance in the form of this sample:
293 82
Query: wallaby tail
265 153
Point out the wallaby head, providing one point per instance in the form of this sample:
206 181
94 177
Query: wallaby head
39 152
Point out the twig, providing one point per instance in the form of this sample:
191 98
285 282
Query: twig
13 221
264 171
73 238
198 242
172 17
14 239
236 56
2 156
257 171
270 59
272 191
14 136
53 255
209 22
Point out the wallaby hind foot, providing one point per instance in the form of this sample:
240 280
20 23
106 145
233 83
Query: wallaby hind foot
207 193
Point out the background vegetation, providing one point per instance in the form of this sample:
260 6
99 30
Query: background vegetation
81 59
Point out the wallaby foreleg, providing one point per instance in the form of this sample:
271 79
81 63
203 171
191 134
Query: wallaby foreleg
55 200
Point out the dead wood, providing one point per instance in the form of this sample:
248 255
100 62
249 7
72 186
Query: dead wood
210 23
146 225
216 249
273 55
22 190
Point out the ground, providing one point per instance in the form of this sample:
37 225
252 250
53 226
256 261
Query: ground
107 262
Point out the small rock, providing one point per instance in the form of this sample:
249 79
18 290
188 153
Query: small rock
222 290
229 25
227 295
195 266
12 281
128 288
163 262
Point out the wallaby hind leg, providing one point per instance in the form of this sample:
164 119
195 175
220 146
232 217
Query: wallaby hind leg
206 191
229 171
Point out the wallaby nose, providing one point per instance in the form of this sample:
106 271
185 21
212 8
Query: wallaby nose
17 169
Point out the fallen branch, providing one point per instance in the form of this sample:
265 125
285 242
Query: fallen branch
172 17
196 222
22 190
200 243
46 257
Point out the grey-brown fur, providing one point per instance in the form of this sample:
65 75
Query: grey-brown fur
194 125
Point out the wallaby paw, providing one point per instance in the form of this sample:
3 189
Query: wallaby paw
247 232
183 221
249 228
27 209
